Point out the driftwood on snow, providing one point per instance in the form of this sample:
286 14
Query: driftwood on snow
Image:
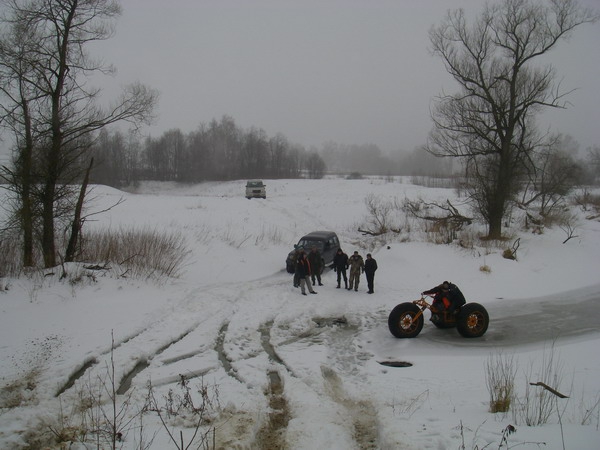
452 219
548 388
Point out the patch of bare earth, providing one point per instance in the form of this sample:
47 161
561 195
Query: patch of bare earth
272 434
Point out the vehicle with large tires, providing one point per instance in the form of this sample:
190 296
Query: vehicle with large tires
406 319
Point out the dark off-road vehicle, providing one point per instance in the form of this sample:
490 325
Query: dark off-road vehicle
327 244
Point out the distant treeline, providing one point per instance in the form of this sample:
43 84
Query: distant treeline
369 159
221 150
217 151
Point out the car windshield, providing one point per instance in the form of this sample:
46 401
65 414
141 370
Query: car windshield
254 184
308 244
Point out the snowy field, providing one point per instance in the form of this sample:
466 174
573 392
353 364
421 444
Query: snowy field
303 372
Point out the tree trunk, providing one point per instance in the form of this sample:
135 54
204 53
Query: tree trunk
494 226
27 223
26 214
77 222
48 244
51 177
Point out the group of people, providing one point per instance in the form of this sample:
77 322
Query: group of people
447 296
309 267
356 265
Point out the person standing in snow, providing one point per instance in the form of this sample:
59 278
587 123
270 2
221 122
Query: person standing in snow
295 260
303 272
370 268
357 265
340 265
316 265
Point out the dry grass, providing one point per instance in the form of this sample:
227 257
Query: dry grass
500 372
10 255
133 253
485 268
143 253
538 405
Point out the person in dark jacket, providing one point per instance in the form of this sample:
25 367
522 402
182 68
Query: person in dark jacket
340 265
295 260
303 272
447 296
370 268
316 265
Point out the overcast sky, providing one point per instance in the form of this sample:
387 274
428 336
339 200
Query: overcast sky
347 71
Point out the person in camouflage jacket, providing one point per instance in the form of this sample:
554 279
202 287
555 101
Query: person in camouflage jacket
316 265
357 265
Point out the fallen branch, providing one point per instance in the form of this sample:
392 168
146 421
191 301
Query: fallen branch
548 388
453 219
97 267
377 233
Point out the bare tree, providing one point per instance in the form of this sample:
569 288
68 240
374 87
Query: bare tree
593 163
315 166
17 115
225 139
488 123
66 113
254 153
278 148
553 175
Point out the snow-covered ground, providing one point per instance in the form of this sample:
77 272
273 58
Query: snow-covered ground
304 372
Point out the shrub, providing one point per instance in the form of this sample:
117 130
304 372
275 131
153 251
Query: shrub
145 253
500 374
10 255
587 201
538 404
354 176
136 253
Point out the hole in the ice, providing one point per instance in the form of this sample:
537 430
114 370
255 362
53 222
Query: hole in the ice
330 321
395 363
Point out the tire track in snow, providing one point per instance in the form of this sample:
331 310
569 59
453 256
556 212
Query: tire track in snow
126 379
347 355
362 413
271 434
265 339
137 344
220 349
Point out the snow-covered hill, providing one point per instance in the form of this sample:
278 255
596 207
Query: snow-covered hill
304 372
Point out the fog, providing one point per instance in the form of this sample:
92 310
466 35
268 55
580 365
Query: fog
344 71
320 72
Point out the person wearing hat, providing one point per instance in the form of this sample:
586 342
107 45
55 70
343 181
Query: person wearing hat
447 296
357 265
370 268
340 265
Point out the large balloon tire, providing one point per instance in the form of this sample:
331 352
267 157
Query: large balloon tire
472 320
402 322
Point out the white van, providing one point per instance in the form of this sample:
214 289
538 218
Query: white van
255 189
